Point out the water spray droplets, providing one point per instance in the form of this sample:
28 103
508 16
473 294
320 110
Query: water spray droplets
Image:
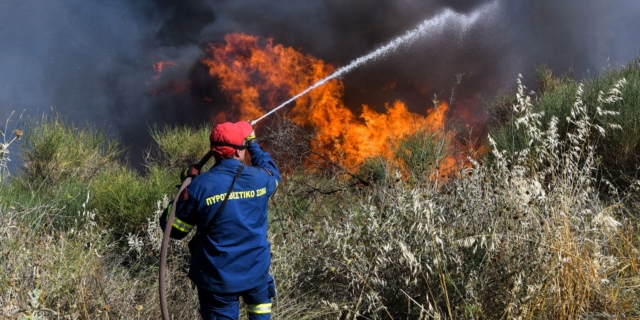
430 26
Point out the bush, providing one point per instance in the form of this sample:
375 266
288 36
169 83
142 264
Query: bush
618 149
76 274
179 146
54 151
83 243
554 100
375 170
421 153
60 161
123 199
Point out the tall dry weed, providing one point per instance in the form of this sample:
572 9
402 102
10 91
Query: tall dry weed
83 274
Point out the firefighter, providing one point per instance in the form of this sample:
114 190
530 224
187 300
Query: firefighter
228 206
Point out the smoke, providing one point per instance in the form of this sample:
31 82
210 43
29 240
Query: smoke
91 61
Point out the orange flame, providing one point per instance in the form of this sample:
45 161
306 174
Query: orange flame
258 75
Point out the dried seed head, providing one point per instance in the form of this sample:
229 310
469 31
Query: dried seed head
18 133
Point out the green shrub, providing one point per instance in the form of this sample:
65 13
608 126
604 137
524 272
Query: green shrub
80 230
421 153
553 99
123 199
619 150
46 208
547 82
54 151
178 146
311 196
374 170
60 161
500 109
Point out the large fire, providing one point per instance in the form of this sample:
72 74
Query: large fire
259 75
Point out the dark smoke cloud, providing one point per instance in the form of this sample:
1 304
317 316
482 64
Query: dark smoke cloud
92 60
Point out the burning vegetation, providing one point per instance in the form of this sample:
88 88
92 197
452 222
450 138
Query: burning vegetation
257 75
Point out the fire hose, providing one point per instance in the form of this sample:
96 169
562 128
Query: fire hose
166 236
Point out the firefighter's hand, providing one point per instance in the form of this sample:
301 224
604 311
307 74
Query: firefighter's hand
190 172
251 138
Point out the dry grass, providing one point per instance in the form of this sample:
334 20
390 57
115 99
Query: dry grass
76 274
